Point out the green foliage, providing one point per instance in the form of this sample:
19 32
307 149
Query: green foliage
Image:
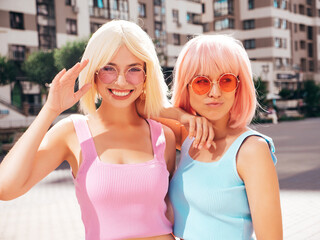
262 91
287 93
40 68
69 54
311 98
8 71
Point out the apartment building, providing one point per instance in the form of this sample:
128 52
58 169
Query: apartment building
281 36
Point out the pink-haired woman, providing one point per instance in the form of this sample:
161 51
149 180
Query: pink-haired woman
230 189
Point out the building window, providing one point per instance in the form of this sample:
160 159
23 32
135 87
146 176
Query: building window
250 4
302 27
157 2
284 4
176 39
303 64
17 52
115 5
284 43
311 66
203 8
277 42
142 10
42 10
285 62
309 12
248 24
223 7
296 45
175 15
249 44
206 27
16 20
295 8
310 50
72 26
278 63
277 23
284 24
226 23
310 33
301 9
309 2
276 3
158 29
302 44
193 18
94 26
97 3
68 2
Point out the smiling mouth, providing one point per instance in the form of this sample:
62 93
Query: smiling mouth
120 93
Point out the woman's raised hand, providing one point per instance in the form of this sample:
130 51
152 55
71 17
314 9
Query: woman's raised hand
61 94
199 128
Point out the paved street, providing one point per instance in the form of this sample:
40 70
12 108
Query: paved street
50 210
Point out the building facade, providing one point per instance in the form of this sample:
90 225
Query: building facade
280 36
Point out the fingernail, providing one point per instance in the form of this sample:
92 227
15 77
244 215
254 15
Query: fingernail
200 146
208 145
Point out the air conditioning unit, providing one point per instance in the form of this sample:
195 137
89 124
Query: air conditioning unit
75 9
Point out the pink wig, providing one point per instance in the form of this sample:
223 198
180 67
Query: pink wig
213 55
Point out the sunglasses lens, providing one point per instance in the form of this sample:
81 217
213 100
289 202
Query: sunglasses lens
201 85
228 83
135 75
107 74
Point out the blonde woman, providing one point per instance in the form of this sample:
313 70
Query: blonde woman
120 162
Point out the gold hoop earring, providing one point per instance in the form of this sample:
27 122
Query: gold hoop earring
143 95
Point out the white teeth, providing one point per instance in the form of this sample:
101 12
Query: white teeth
120 94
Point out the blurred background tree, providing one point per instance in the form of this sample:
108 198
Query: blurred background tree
311 98
8 71
69 54
40 68
262 91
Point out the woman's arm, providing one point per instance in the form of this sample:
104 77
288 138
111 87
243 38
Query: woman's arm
180 122
170 151
28 161
256 168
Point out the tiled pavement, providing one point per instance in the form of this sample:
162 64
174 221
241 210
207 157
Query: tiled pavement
50 210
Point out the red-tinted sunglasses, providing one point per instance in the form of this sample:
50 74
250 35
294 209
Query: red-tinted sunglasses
227 82
109 74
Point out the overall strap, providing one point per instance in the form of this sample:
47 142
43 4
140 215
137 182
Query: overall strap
157 138
235 146
84 136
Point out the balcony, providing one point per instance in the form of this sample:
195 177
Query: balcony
99 12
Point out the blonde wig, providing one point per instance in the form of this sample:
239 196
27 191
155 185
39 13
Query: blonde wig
101 47
213 55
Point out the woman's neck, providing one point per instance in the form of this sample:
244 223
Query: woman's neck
111 115
221 128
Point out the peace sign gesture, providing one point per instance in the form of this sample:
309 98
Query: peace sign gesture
61 93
